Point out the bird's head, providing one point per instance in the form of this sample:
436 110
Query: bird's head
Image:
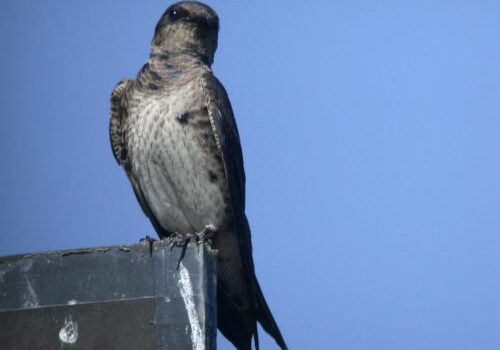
188 27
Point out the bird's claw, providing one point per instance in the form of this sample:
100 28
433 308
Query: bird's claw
177 239
181 239
206 234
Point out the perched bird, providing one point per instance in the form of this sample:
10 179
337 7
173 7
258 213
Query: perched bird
173 131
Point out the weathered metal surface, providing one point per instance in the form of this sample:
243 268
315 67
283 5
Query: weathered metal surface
126 297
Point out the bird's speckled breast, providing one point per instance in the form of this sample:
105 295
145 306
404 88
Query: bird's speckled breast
175 158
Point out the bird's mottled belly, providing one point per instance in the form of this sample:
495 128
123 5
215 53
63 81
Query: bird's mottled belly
175 157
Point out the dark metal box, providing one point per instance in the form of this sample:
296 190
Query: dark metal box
137 297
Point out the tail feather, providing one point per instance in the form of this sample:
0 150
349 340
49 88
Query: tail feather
256 337
266 319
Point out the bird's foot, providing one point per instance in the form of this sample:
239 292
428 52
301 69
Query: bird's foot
206 234
181 239
178 239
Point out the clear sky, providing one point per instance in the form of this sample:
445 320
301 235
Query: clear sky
370 132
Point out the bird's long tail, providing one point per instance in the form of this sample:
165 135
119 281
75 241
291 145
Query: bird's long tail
265 317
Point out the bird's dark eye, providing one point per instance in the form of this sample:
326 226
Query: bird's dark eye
177 13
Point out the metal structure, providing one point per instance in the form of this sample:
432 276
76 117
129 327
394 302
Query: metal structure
141 296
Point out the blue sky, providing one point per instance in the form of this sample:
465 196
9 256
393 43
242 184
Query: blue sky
370 136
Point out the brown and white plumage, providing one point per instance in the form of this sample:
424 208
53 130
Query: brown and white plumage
173 131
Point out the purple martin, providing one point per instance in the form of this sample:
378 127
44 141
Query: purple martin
173 131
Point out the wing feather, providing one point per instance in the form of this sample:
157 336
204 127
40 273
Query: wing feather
118 115
228 142
118 137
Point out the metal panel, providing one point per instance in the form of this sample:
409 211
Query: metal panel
126 297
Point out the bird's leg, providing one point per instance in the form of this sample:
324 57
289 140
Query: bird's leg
178 239
206 234
182 239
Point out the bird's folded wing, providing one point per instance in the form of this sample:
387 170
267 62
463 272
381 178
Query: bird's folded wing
228 142
118 136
